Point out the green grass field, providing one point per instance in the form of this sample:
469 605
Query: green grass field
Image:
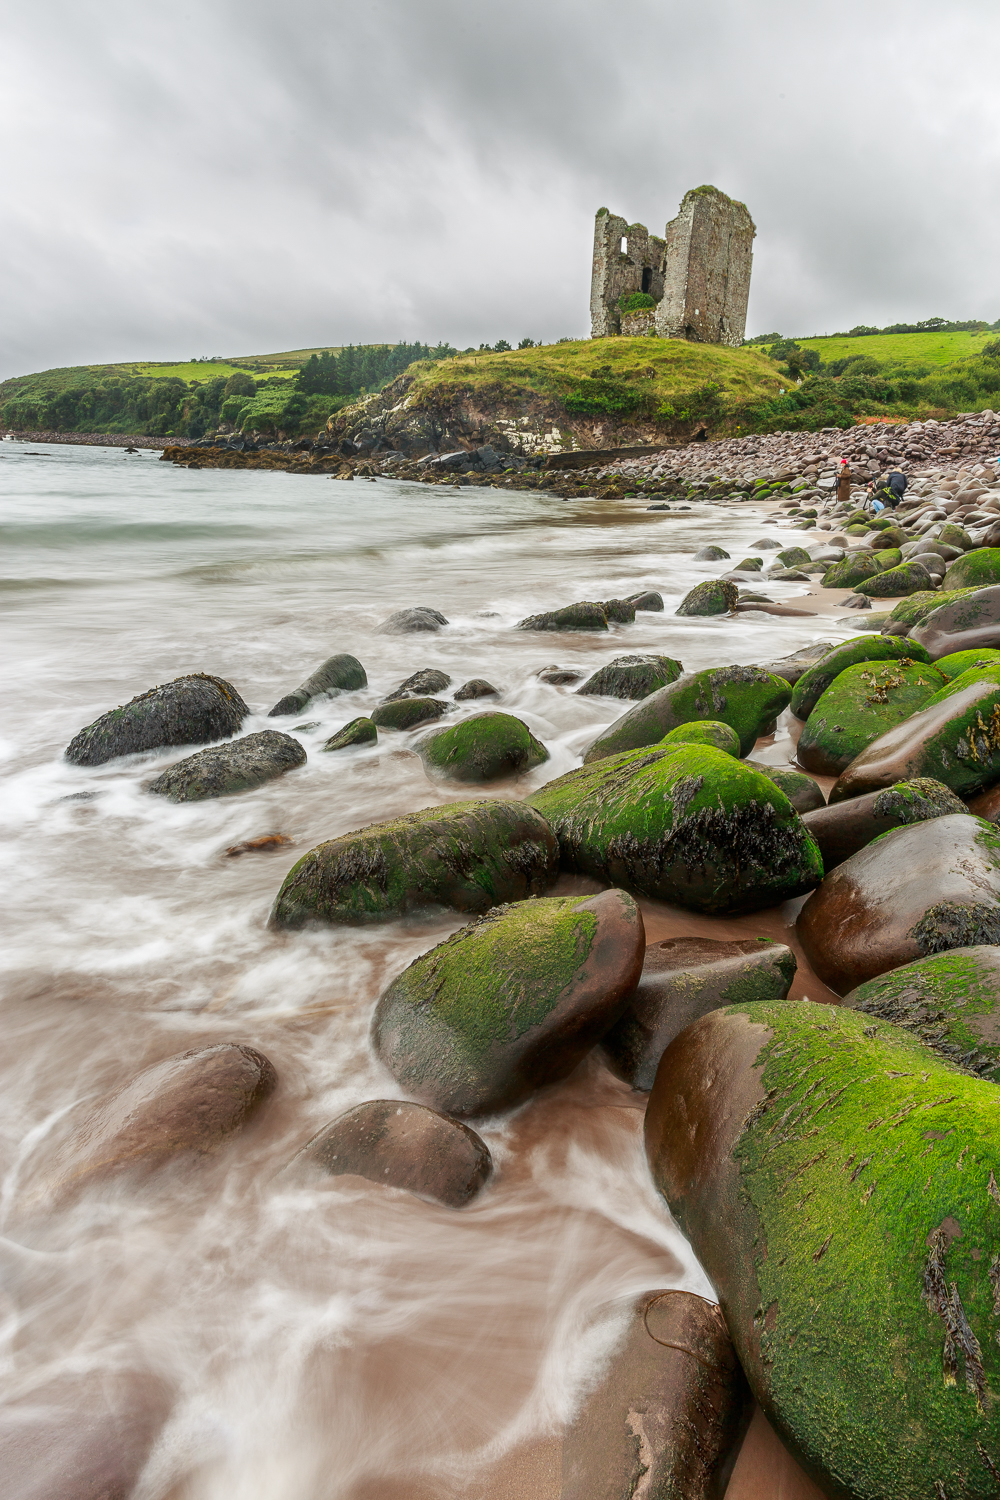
915 348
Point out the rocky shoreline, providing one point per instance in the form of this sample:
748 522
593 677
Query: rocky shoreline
97 439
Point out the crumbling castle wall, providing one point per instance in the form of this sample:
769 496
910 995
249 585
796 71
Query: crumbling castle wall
698 275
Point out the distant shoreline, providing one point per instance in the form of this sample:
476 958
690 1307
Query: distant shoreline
100 439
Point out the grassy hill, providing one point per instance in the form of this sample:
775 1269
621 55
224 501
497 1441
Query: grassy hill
909 348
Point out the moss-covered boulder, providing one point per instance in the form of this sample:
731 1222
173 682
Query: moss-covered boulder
686 824
482 748
422 684
951 1001
711 554
468 855
684 978
854 569
888 557
620 611
860 705
865 648
748 699
357 732
407 713
476 687
801 790
842 828
792 557
188 711
511 1002
954 535
716 596
855 1175
339 674
915 609
908 578
974 570
856 528
912 891
964 623
890 536
963 661
224 770
705 732
954 738
648 600
749 565
632 677
585 616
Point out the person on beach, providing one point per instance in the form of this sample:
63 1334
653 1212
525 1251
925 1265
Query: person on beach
887 492
844 477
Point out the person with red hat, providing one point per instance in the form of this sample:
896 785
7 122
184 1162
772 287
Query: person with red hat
844 477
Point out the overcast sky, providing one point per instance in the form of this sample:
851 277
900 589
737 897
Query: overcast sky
233 178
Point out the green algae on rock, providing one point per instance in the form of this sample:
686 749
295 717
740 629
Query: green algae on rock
861 703
511 1002
408 713
792 557
951 1001
224 770
843 828
339 674
716 596
814 682
483 748
852 571
748 699
967 621
914 610
801 790
705 732
587 615
910 577
632 676
187 711
469 855
975 570
963 661
621 611
887 557
855 1174
685 823
357 732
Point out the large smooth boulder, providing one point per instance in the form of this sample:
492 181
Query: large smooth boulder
951 1001
834 1180
668 1416
225 770
339 674
705 732
748 699
621 611
963 661
854 570
187 1104
649 601
963 623
815 680
716 596
632 676
801 790
974 570
908 613
954 738
916 890
684 978
483 748
842 828
469 855
422 684
408 713
859 706
686 824
188 711
476 687
402 1145
587 615
890 582
511 1002
794 666
412 621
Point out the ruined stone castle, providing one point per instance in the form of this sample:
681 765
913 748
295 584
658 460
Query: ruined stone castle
698 275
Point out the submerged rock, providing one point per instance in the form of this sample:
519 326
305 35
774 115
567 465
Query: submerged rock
716 596
813 682
682 979
704 732
469 855
421 684
476 687
686 824
854 1173
188 711
632 676
483 748
584 616
711 553
339 674
403 1145
407 713
670 1412
357 732
843 828
914 891
859 706
746 698
511 1002
411 621
558 676
224 770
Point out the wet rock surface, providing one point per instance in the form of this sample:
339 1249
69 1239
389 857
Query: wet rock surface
511 1002
358 732
225 770
412 621
476 687
585 616
188 711
407 713
682 979
557 676
632 676
915 891
485 747
748 699
402 1145
469 855
843 828
962 623
716 596
837 1152
649 601
815 680
859 706
670 1412
802 791
422 684
794 666
686 824
339 674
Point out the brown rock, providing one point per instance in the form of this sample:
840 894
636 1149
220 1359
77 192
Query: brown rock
986 804
254 846
682 979
670 1414
964 624
915 891
842 828
405 1146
